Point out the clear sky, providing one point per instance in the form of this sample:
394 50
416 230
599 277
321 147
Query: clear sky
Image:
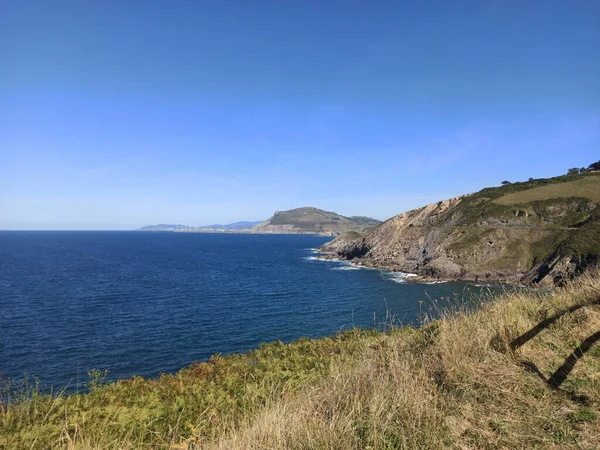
119 114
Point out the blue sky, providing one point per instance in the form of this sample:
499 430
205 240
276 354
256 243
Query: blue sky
119 114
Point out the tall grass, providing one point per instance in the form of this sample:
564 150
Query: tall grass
448 386
454 383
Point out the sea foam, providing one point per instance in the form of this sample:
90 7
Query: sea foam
397 277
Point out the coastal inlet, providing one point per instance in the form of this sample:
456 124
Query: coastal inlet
145 303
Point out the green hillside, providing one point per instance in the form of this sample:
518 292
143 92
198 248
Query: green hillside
535 195
586 186
307 217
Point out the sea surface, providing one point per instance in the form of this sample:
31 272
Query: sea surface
137 303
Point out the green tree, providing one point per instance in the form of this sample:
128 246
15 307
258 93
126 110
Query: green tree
506 183
594 166
573 171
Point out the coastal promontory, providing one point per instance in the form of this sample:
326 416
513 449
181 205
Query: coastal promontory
541 231
309 220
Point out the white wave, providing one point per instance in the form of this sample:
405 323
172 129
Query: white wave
312 258
340 264
334 260
397 277
325 259
312 250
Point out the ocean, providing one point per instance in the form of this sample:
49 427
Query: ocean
142 303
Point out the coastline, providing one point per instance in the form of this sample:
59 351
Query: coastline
412 277
224 231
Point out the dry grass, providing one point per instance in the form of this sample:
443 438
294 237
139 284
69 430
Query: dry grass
587 187
455 383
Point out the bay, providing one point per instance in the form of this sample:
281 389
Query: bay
136 303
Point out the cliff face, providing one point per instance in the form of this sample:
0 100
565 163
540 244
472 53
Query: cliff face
510 234
310 220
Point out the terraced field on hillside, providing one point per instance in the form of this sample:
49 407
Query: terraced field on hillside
587 187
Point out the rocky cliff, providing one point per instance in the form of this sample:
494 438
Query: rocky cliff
540 232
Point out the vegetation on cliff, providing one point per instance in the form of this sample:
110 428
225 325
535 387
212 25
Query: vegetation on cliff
522 371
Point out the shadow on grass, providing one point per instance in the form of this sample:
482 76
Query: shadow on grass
563 372
551 382
528 335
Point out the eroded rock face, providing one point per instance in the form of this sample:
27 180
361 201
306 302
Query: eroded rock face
557 270
448 240
355 250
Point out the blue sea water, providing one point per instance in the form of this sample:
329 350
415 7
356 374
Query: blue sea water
137 303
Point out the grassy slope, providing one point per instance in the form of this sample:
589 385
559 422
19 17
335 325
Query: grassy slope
586 187
539 196
497 192
555 210
453 384
576 233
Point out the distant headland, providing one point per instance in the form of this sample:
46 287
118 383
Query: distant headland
305 220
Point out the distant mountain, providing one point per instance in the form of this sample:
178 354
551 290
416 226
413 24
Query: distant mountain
237 226
309 220
242 225
162 227
306 220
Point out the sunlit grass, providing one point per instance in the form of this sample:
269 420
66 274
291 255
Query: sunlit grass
586 187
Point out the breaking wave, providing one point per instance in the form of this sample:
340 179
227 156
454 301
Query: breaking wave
397 277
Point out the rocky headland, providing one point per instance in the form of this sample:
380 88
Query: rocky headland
541 232
306 220
309 220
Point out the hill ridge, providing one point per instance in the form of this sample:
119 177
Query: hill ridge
311 220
